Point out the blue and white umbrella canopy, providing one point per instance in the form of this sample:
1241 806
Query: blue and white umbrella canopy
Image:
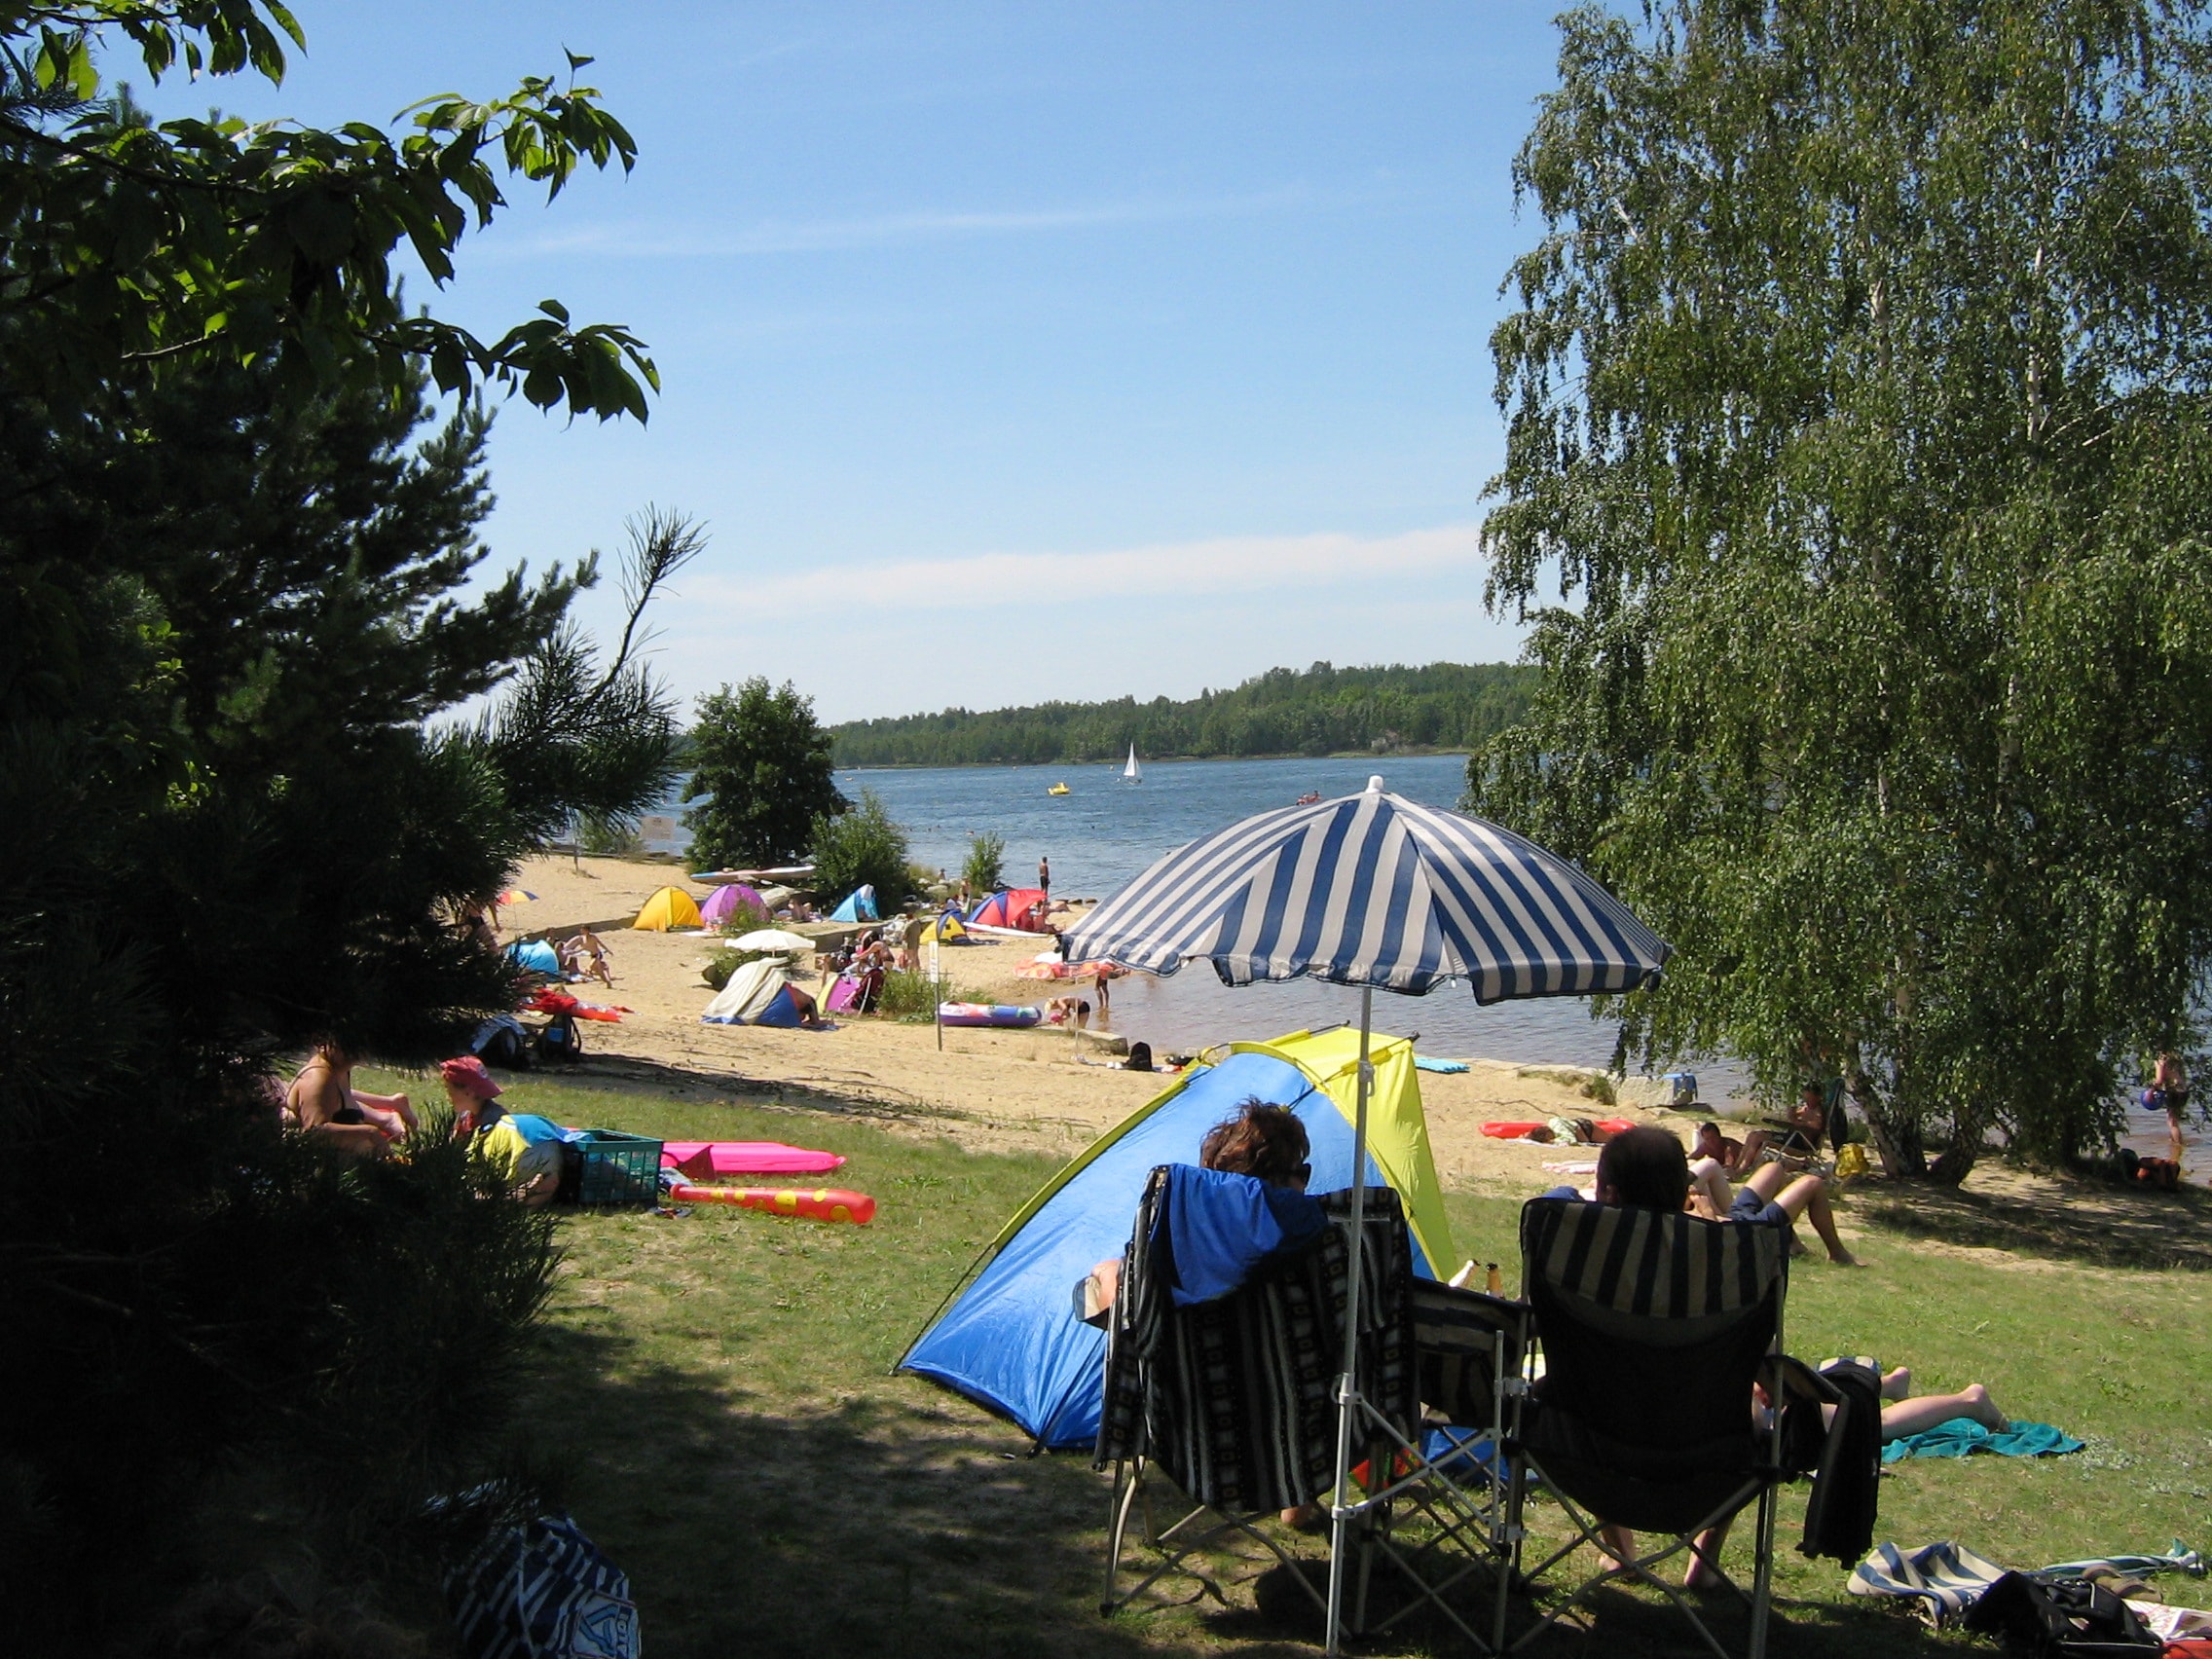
1373 889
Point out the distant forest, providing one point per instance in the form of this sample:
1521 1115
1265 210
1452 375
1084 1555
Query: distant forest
1323 711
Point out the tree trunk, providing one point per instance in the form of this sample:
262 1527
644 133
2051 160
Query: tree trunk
1896 1144
1953 1166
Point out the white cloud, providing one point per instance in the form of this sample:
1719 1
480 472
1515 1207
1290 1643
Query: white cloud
630 241
1261 565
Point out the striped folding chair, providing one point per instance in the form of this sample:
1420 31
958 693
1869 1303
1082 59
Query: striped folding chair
1654 1329
1232 1403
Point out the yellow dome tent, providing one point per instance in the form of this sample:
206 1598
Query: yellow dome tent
671 908
945 929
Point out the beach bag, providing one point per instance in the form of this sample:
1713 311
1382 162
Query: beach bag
561 1040
502 1041
542 1591
2064 1618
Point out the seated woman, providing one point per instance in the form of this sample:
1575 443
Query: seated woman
324 1100
1261 1140
1646 1169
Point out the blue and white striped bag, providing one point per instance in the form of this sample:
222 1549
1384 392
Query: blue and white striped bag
542 1591
1944 1578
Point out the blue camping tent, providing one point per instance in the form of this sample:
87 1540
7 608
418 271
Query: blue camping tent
1014 1339
858 906
534 954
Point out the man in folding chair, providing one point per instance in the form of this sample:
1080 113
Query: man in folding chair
1666 1404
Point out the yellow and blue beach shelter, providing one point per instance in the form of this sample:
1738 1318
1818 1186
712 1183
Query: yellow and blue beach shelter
1013 1339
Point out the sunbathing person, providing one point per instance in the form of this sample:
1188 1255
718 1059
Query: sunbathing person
322 1099
1905 1413
1721 1149
1801 1134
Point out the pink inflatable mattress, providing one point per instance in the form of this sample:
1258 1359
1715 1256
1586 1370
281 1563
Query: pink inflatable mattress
702 1160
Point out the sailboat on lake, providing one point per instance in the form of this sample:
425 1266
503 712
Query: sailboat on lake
1132 773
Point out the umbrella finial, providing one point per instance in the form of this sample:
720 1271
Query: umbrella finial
1375 783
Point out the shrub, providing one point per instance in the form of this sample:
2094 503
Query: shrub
985 869
725 961
744 917
907 994
859 848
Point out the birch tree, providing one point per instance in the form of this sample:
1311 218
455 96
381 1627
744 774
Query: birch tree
1858 484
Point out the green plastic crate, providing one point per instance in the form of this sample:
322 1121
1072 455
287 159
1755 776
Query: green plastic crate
615 1168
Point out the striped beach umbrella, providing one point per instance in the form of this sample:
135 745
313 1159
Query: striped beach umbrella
1375 890
1372 890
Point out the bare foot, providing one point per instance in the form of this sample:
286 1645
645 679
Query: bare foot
1982 1409
1898 1385
1843 1258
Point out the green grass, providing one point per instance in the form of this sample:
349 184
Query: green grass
714 1392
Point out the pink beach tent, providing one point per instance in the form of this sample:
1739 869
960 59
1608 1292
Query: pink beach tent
724 901
704 1159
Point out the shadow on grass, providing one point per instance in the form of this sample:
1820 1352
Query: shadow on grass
663 1081
890 1516
898 1514
2069 1220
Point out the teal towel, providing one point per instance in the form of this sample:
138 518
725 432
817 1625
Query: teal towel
1962 1435
1422 1062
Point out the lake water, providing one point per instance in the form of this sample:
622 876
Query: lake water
1103 832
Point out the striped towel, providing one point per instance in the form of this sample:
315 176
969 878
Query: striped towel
1945 1578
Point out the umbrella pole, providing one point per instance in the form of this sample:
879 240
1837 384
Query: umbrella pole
1341 1508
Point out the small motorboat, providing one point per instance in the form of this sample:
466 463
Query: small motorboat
1312 797
1059 790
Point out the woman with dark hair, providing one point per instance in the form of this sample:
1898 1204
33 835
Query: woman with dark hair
1263 1140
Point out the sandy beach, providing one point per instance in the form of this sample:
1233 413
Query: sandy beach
1044 1091
1050 1093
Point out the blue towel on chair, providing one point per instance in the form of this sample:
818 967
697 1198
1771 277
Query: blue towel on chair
1220 1226
1963 1435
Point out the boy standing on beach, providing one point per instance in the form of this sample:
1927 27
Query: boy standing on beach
1045 877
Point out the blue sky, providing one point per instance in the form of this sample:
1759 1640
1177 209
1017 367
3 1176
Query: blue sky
1010 351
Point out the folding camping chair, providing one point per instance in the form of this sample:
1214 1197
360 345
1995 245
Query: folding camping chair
1233 1402
1653 1328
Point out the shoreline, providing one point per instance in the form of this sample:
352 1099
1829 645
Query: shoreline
1408 753
1040 1090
